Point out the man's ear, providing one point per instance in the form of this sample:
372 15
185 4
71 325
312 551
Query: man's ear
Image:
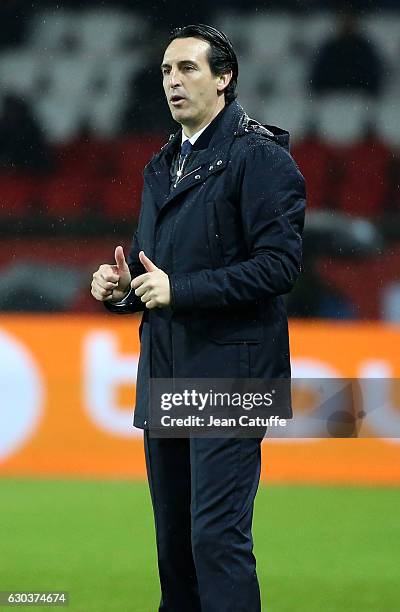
223 81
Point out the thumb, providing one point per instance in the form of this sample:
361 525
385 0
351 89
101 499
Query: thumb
146 262
120 258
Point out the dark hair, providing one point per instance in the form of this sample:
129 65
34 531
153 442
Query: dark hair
221 56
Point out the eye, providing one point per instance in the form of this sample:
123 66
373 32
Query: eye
165 70
188 68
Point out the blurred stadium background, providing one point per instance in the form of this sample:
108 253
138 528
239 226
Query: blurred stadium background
81 113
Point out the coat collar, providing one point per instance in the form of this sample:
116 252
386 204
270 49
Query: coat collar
222 127
232 122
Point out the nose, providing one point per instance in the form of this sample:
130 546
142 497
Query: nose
174 78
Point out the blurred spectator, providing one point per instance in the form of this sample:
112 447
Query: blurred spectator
14 17
348 62
22 144
147 109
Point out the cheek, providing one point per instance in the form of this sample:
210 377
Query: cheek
203 95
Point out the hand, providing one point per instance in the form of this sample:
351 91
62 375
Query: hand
111 282
153 288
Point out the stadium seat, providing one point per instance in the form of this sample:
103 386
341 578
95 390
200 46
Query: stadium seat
387 120
120 198
59 118
119 69
269 35
67 197
247 86
17 193
88 158
315 29
71 76
104 32
105 114
384 30
20 72
363 186
342 118
105 104
291 115
232 24
292 76
134 152
315 159
51 28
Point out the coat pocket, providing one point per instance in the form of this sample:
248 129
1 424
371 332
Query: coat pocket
244 360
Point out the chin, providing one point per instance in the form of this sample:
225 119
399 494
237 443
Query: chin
180 117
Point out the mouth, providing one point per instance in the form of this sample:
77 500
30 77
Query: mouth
176 99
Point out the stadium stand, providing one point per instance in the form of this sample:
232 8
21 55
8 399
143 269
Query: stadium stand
80 71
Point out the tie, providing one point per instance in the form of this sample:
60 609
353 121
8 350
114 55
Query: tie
186 149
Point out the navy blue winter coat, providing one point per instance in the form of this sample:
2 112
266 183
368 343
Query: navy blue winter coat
231 253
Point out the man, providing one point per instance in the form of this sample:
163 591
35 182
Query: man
217 244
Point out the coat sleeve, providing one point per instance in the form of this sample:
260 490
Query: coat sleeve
131 303
272 202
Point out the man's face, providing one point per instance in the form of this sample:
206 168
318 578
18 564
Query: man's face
190 87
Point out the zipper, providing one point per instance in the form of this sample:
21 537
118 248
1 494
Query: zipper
178 180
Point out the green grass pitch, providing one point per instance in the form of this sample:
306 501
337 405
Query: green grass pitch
319 549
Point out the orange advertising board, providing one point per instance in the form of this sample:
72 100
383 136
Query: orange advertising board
68 384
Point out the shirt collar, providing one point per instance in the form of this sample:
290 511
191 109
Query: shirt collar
195 136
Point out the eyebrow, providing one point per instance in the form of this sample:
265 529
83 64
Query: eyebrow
180 63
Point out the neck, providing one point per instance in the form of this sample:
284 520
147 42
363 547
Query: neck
191 129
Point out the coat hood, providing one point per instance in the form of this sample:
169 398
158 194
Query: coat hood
272 132
236 120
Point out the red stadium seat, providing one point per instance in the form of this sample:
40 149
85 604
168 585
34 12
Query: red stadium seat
87 157
363 188
136 151
108 173
121 197
316 162
17 192
66 196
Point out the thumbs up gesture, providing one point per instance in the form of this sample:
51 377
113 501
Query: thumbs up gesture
153 288
111 282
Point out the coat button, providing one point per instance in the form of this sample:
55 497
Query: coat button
197 176
211 168
219 162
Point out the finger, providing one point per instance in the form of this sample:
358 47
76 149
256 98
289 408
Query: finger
109 286
145 298
101 283
108 298
108 273
110 278
104 293
146 262
120 258
96 289
151 304
141 290
139 280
